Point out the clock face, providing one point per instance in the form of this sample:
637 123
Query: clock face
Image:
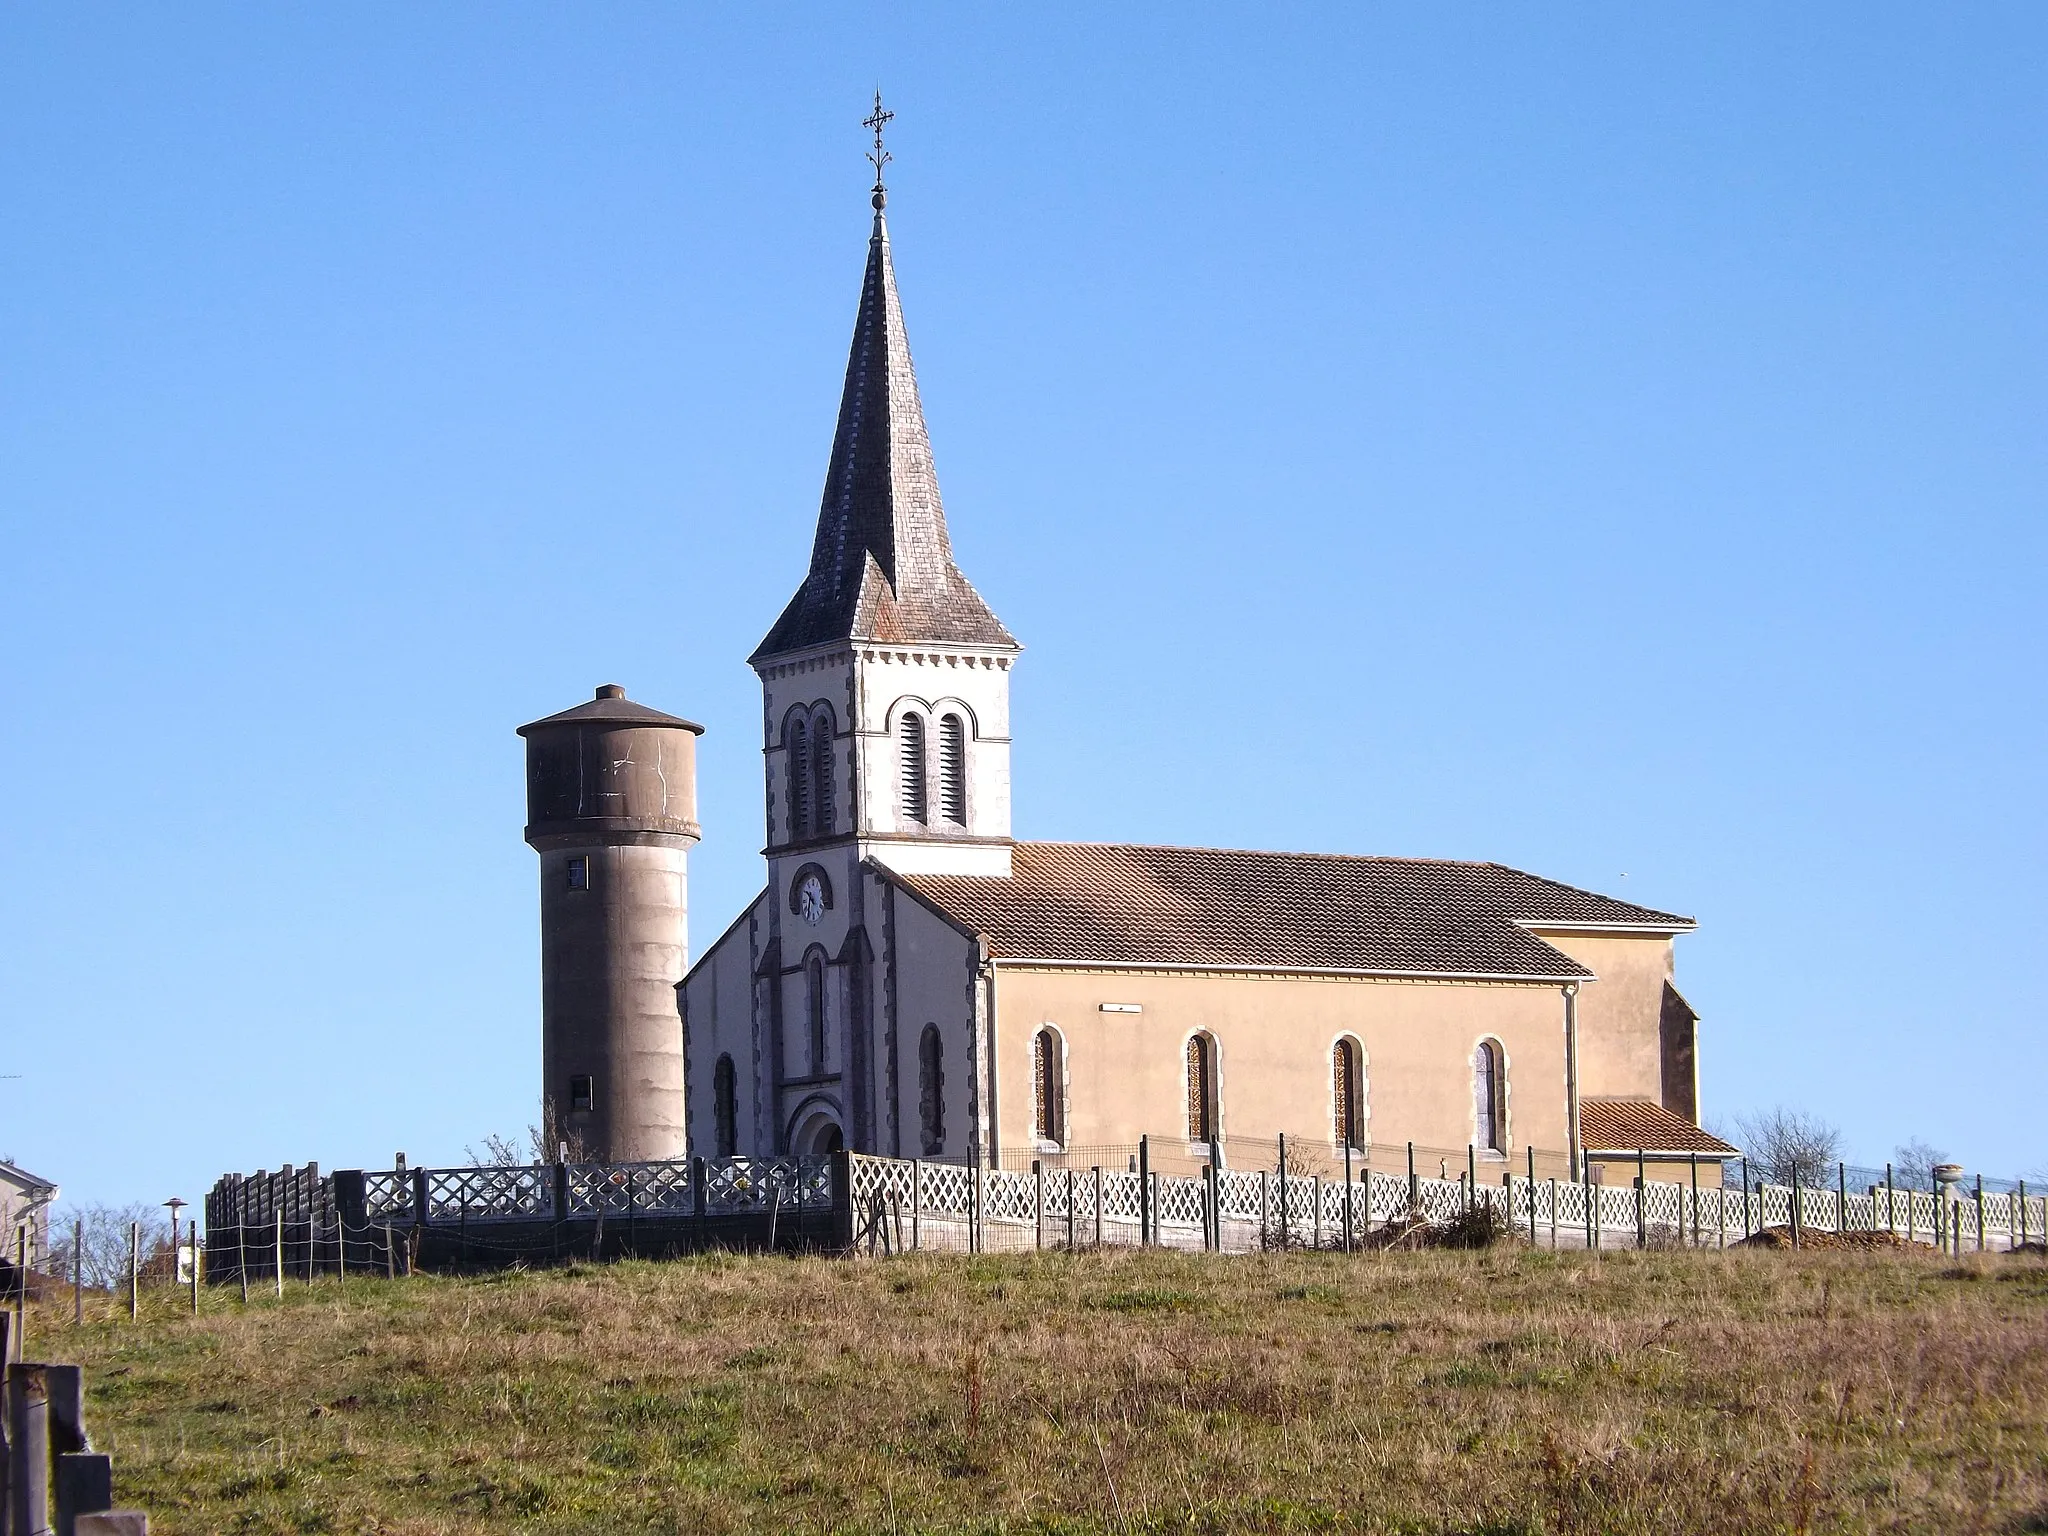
810 900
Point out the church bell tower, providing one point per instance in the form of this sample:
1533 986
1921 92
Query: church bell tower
886 681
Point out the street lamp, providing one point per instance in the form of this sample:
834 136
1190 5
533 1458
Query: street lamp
175 1205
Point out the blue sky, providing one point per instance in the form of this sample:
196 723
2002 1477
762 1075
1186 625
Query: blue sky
1603 439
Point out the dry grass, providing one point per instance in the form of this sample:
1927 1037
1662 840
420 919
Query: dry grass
1499 1391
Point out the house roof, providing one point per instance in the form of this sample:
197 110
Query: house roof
1119 903
1627 1125
882 563
23 1180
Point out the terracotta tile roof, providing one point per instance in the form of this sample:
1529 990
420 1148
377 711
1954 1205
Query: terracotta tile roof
1116 902
1625 1125
882 563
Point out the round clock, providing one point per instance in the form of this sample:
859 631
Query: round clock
810 900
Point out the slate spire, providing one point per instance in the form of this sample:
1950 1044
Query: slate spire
882 564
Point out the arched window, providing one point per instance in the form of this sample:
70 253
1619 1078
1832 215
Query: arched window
1346 1089
725 1107
814 1009
1489 1097
796 744
1047 1119
911 772
1201 1088
821 771
952 770
931 1091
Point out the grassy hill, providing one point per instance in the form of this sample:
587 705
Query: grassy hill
1501 1391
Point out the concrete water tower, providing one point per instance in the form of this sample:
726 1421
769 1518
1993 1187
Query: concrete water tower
611 807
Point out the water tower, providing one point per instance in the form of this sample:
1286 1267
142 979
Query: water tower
611 807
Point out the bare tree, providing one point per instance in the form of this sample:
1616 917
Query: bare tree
103 1232
1913 1164
544 1144
499 1152
1783 1141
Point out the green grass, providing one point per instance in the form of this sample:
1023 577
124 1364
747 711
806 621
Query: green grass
1503 1391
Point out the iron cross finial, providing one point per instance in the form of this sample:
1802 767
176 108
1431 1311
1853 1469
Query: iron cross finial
879 157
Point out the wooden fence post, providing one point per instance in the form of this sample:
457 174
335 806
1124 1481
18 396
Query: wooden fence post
85 1486
28 1449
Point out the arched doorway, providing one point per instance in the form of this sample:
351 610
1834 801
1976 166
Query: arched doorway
818 1135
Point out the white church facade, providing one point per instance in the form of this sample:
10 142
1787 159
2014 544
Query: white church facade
913 981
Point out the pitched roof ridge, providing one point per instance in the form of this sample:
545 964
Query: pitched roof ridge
1260 852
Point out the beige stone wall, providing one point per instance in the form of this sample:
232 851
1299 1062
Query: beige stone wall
1619 1049
1125 1072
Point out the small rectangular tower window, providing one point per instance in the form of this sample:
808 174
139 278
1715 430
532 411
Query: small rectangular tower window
580 1095
579 873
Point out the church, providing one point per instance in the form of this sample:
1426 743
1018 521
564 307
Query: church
913 981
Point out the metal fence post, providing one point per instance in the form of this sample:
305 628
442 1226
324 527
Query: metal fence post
1841 1197
916 1203
1144 1191
1283 1191
1038 1203
1980 1213
1798 1201
1642 1200
1070 1209
1096 1170
134 1270
1891 1215
1414 1184
1347 1195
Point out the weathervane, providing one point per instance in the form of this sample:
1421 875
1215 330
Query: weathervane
879 157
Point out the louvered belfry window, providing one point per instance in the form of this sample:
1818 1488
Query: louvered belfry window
725 1106
911 773
931 1091
952 770
796 742
1045 1086
821 772
1344 1087
1201 1089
